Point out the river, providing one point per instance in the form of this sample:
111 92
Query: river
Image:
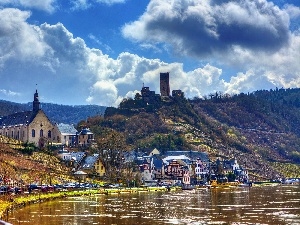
237 206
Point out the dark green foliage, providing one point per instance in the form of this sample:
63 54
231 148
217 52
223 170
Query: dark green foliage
265 122
28 148
168 142
271 110
231 177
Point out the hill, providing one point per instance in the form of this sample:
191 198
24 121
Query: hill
56 113
26 167
260 129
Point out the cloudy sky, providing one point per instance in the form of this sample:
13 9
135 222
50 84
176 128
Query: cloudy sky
78 52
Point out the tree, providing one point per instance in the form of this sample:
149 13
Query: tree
111 150
231 177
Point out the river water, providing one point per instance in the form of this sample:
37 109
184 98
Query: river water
236 206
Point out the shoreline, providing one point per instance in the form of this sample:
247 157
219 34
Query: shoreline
18 201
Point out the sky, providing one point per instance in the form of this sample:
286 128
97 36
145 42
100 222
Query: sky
80 52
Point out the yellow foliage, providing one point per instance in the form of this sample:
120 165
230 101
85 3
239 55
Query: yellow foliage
287 169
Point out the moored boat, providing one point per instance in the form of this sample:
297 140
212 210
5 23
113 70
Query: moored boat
188 187
215 184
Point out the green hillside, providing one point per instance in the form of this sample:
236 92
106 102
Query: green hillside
260 129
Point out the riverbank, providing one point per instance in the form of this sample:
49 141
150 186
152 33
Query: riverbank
15 201
11 202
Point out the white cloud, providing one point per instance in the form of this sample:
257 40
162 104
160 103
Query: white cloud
45 5
80 4
252 36
103 93
9 93
100 43
66 68
292 10
201 28
13 28
110 2
85 4
66 48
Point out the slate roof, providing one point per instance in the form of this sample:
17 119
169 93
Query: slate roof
131 156
19 118
158 163
90 161
63 151
182 158
193 155
66 128
80 173
85 131
77 156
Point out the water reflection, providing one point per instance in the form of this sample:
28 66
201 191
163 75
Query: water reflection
239 206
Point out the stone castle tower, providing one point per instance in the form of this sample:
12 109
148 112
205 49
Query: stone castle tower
164 85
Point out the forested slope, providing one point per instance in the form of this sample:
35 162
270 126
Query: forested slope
56 113
260 129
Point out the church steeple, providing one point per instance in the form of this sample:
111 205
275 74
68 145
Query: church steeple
36 102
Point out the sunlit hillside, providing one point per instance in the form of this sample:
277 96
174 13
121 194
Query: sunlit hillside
24 166
260 130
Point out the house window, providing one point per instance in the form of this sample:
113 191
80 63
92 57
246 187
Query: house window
33 133
41 133
12 134
49 134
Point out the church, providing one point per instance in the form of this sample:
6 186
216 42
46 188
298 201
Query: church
30 126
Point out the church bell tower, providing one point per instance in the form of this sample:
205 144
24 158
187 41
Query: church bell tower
36 102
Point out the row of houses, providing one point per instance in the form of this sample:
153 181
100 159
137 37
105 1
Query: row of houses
83 165
35 127
188 167
174 167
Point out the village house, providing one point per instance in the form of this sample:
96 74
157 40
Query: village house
81 175
201 170
174 167
146 169
67 134
85 137
232 168
93 165
158 168
64 155
76 159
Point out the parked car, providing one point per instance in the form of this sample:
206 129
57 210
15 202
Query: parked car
3 190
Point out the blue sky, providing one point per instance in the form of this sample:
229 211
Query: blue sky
78 52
